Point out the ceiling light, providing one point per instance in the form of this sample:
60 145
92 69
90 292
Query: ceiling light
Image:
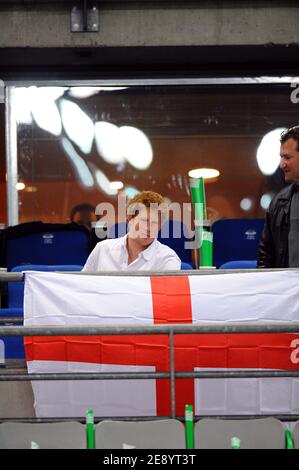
205 173
20 186
116 185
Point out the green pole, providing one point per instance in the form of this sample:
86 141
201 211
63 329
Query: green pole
90 430
206 249
204 236
198 198
202 196
189 432
289 439
235 443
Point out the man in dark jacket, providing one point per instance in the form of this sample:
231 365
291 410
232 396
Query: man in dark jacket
279 244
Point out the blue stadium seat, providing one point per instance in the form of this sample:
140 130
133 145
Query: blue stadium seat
175 234
236 239
47 244
186 266
14 346
239 264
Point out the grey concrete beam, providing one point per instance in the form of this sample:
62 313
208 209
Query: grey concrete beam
183 3
159 25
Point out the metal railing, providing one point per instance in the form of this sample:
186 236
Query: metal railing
202 271
170 330
165 329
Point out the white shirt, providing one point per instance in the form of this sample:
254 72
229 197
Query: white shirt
112 255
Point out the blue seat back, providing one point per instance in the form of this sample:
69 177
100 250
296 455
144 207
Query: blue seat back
236 239
46 244
14 346
239 264
16 289
175 234
186 266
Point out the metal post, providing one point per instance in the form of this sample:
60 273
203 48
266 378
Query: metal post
172 373
11 157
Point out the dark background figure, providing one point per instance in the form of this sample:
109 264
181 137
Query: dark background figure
279 244
83 214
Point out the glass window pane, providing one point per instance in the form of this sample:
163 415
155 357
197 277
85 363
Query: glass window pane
73 142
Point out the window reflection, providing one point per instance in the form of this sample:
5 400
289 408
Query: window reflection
73 143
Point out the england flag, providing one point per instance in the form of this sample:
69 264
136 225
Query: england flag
59 299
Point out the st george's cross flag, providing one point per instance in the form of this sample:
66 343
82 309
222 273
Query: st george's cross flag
58 299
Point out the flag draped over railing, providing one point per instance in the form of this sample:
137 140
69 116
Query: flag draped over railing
69 299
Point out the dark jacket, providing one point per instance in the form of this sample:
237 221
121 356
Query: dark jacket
273 247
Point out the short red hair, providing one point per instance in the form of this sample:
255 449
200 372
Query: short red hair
144 199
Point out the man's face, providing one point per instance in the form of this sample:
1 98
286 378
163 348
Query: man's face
145 226
289 160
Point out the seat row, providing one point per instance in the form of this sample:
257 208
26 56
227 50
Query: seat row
262 433
44 243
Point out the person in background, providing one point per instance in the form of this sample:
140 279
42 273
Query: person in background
279 243
139 250
83 214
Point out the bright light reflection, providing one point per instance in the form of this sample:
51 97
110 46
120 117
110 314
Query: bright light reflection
45 111
104 183
22 104
267 155
116 185
136 147
82 92
81 168
20 186
52 92
107 137
131 191
246 204
78 126
265 200
39 102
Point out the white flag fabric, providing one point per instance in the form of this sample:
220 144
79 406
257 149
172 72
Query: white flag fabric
70 299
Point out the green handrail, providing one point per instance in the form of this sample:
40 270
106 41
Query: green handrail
204 236
90 430
289 439
189 431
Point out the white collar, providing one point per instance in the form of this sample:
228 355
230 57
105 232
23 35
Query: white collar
147 253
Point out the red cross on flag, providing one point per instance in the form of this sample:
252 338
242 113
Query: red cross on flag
58 299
